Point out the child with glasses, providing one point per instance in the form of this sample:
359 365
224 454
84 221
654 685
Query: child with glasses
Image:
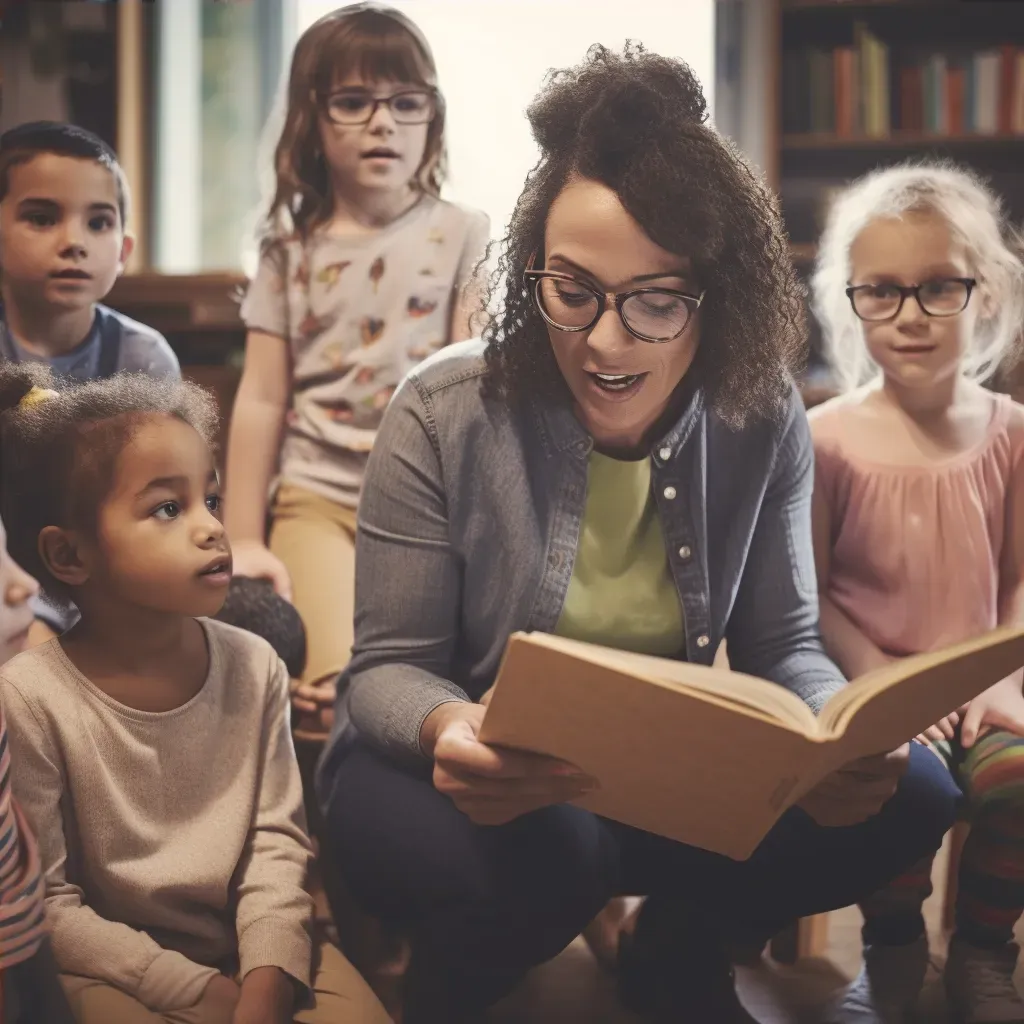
919 536
364 272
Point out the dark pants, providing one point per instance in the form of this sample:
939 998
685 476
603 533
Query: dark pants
484 905
32 992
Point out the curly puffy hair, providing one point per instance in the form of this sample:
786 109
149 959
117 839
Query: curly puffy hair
253 605
58 455
636 122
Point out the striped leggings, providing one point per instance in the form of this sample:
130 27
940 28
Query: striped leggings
990 887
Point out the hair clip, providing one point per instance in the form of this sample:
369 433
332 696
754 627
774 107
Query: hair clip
36 395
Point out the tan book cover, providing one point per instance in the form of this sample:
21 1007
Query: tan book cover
711 757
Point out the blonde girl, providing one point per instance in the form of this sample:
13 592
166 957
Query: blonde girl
364 272
919 535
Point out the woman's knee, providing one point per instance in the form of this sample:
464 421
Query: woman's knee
404 850
926 801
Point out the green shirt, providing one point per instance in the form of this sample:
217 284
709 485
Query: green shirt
622 593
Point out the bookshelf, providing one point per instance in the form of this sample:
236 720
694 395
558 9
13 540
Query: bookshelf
860 84
896 141
863 83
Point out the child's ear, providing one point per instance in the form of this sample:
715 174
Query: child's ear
61 553
989 307
127 248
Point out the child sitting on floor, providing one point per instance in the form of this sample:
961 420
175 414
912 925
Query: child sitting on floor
151 746
919 537
28 985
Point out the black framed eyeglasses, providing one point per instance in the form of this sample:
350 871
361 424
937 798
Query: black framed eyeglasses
357 106
654 315
941 296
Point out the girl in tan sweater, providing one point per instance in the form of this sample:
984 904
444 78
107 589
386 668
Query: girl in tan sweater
151 746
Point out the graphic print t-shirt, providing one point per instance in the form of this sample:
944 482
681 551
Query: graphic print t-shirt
358 313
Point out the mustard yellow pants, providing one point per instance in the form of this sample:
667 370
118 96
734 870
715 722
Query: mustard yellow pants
340 996
316 539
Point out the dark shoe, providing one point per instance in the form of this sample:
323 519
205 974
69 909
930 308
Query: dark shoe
691 981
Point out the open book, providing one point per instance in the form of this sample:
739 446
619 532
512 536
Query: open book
710 757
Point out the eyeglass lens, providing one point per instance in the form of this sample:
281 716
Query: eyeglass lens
659 316
942 297
358 107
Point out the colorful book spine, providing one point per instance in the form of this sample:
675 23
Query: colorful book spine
862 90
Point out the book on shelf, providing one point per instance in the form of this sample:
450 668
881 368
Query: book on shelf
871 90
711 757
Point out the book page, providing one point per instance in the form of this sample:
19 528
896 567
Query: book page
760 696
670 759
885 708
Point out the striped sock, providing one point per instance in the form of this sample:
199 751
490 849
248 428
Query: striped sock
892 916
991 883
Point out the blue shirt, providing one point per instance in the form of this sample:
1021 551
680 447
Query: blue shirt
468 526
115 342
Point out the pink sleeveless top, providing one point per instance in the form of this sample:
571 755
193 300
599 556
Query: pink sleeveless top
916 549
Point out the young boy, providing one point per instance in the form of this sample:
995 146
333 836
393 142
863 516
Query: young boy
63 243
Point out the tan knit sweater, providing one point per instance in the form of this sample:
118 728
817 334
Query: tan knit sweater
173 843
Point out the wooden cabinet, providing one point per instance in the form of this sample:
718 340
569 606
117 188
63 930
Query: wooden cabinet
199 316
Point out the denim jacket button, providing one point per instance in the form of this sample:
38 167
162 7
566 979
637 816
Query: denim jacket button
669 492
703 640
684 551
665 454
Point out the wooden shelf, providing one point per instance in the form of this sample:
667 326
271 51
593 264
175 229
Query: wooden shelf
173 303
898 140
848 5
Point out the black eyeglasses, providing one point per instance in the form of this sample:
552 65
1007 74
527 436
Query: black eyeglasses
655 315
942 296
357 106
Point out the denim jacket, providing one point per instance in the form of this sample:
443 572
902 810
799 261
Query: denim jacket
468 525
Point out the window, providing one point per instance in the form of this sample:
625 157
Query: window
217 66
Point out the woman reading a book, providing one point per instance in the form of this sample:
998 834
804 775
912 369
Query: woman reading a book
625 462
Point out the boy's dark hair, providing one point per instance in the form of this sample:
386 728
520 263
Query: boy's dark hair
636 122
23 143
253 605
58 454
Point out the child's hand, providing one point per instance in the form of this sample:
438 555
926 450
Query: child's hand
944 729
314 705
999 707
267 997
258 562
219 999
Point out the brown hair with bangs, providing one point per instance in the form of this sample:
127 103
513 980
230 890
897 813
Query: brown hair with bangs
379 43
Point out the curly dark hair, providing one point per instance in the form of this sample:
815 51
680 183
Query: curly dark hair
58 455
254 606
636 122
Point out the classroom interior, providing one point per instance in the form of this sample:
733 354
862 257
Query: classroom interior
815 92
